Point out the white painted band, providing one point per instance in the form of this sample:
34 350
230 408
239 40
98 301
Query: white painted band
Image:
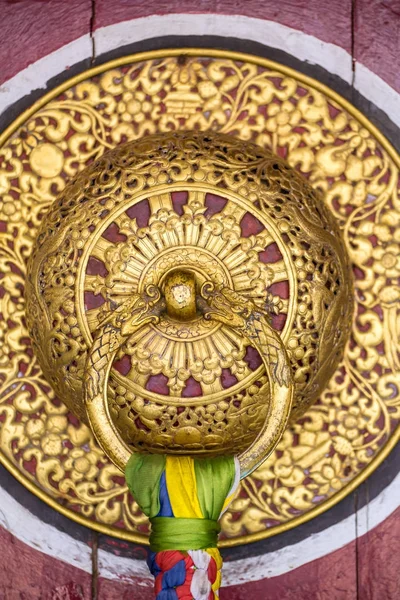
47 539
297 43
40 72
305 47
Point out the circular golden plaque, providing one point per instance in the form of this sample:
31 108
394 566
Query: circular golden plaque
340 439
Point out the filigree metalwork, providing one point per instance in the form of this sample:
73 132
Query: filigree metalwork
356 421
259 205
273 399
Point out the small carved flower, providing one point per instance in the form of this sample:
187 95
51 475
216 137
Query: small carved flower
387 260
327 476
134 106
10 208
82 464
282 118
351 423
51 444
48 432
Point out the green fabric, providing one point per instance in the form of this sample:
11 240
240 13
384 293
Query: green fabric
214 479
143 473
183 534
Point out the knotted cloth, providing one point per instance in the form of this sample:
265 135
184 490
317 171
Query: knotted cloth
183 497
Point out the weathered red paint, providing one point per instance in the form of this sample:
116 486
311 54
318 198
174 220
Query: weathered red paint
366 569
377 38
333 577
32 29
378 561
27 574
116 590
328 20
69 591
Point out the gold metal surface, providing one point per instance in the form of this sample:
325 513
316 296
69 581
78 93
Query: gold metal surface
223 305
268 237
342 438
180 295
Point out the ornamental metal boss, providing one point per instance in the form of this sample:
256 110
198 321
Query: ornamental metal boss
193 260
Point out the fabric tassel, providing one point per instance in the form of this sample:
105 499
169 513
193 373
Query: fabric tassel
184 497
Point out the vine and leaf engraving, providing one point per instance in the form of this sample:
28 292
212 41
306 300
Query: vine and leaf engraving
340 156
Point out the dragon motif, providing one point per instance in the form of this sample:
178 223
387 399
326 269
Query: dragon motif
222 304
227 306
115 329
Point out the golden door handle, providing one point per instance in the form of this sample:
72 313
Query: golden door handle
181 301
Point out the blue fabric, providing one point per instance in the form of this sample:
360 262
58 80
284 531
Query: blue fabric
165 504
167 595
175 576
152 564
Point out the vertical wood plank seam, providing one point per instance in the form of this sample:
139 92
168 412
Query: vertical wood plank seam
353 43
91 30
357 546
95 566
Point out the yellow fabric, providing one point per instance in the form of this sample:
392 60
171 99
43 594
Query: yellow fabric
215 554
182 488
228 501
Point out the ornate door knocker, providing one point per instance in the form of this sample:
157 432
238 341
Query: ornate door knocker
181 254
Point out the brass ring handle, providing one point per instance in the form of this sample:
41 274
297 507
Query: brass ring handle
221 304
